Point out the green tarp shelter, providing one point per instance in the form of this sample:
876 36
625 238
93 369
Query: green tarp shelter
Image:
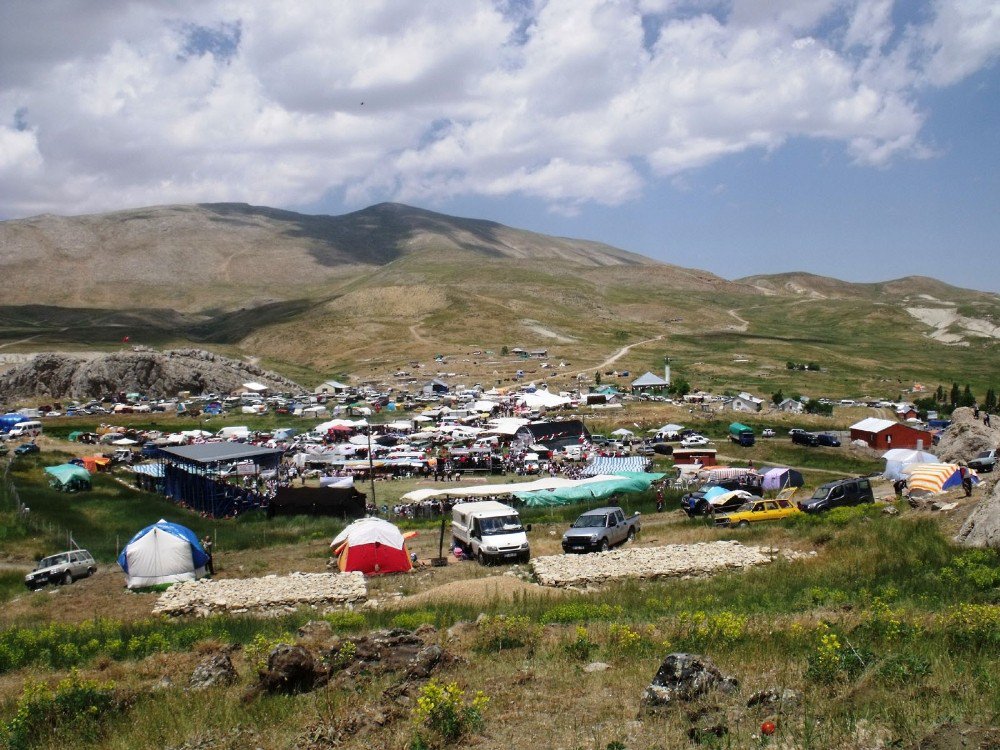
74 435
632 481
68 477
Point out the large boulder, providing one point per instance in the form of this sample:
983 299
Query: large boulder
290 669
682 677
982 527
966 437
215 669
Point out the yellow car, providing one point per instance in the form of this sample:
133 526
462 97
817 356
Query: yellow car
758 509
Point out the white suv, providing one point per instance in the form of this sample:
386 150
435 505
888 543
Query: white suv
65 567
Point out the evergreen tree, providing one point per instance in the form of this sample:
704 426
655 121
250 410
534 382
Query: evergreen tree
991 400
778 397
967 398
940 394
955 394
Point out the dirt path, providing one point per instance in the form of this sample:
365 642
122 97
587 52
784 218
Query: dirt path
797 468
418 337
22 341
744 323
614 357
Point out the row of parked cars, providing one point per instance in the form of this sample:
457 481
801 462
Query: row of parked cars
813 439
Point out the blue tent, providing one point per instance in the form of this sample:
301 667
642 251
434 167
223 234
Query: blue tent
162 553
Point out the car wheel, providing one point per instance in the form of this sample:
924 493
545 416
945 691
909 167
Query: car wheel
91 571
67 578
604 545
482 558
631 535
743 524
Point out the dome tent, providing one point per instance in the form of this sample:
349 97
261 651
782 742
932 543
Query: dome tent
373 546
162 553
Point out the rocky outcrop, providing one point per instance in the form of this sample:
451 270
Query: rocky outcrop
670 561
269 595
982 527
140 370
290 670
966 437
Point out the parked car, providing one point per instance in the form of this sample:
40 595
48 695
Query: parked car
64 567
825 438
757 510
767 432
985 461
695 504
837 494
22 450
805 438
695 441
599 530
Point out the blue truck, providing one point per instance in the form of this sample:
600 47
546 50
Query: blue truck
741 434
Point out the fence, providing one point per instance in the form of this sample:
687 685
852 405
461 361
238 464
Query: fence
10 499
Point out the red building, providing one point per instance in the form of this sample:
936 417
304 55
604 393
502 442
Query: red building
884 434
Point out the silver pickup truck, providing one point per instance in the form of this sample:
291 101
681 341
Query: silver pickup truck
599 530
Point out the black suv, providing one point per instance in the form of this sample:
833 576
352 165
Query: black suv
838 494
825 438
805 438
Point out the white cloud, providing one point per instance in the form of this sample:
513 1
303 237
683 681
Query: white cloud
564 101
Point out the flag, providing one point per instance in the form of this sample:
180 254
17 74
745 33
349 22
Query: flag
125 339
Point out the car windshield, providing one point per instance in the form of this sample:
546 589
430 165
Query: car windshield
590 521
820 493
500 525
984 454
48 562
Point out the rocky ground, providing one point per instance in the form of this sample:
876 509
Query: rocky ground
670 561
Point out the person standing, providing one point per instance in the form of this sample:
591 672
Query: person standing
207 544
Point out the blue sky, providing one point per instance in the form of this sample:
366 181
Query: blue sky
849 138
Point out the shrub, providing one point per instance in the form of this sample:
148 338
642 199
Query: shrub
977 569
261 646
413 620
885 624
972 624
498 632
76 707
903 668
443 712
832 659
624 640
346 620
570 612
581 647
699 629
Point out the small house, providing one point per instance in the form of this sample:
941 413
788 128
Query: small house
884 434
790 406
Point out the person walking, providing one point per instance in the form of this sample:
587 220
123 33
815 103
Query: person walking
659 499
966 479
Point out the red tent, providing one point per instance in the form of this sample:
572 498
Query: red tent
372 546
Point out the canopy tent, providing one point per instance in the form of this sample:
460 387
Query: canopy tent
930 479
615 465
68 477
373 546
95 463
898 458
74 435
781 477
162 553
541 399
622 432
713 492
582 490
722 498
540 490
718 473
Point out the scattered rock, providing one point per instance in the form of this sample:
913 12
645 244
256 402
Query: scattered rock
779 698
215 669
290 670
596 666
682 677
890 510
982 527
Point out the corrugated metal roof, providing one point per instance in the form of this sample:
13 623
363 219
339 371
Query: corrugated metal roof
873 424
206 453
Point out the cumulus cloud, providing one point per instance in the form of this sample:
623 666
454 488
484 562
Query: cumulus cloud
571 102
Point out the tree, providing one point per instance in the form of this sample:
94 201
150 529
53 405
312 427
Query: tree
940 394
967 398
504 351
597 378
955 395
777 397
991 400
813 367
789 365
680 387
815 407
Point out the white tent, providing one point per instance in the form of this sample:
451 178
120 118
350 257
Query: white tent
162 553
542 399
898 458
622 432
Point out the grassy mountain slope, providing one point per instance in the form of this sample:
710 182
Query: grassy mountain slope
373 291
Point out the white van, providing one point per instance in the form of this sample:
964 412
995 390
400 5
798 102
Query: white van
234 433
489 531
32 428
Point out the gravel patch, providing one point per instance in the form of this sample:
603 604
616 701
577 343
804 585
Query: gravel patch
670 561
270 595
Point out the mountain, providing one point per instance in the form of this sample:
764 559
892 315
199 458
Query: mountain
385 288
